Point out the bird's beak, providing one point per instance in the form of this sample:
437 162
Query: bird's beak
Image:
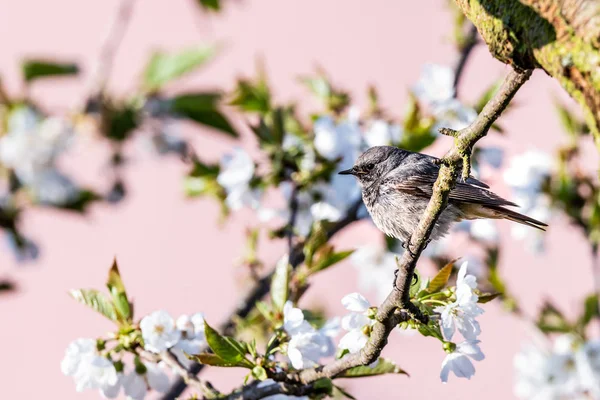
350 171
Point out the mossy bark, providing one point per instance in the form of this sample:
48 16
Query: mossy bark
562 37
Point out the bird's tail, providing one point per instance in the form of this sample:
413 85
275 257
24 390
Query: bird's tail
505 213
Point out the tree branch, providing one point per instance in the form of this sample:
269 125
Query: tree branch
390 313
562 37
260 290
465 52
108 49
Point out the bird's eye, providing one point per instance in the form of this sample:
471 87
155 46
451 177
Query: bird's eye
369 167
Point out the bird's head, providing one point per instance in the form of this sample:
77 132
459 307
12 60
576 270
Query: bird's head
375 163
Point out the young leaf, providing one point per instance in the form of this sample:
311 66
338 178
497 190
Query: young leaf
210 5
441 278
227 348
203 109
487 297
330 259
252 96
552 320
96 300
590 310
34 69
259 373
117 290
164 67
339 391
280 283
384 366
213 359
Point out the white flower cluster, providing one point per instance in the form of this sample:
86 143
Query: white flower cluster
307 345
435 88
30 148
340 141
460 315
356 323
90 370
161 332
570 370
237 170
525 175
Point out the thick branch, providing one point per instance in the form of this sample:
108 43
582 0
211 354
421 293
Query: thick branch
562 37
388 314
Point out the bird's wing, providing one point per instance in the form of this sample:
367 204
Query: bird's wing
419 182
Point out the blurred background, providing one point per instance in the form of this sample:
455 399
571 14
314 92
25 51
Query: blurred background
173 251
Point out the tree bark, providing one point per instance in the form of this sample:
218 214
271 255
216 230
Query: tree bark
562 37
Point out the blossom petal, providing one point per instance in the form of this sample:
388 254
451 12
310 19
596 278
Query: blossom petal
355 302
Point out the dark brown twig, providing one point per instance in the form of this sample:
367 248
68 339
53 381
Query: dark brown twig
465 52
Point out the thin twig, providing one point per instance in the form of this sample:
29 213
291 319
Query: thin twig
388 314
260 290
108 49
172 362
254 391
465 52
293 206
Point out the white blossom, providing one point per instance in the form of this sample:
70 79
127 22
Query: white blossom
453 114
435 85
355 322
156 377
32 143
458 361
159 331
382 133
570 369
484 230
112 391
460 315
135 386
307 345
191 330
525 175
237 170
375 267
88 368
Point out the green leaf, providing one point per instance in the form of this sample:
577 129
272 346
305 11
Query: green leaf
280 283
259 373
323 385
213 359
416 284
252 96
317 239
441 278
95 300
487 297
34 69
210 5
227 348
384 366
552 320
120 122
117 290
567 119
164 67
342 392
486 97
203 109
330 259
318 85
590 310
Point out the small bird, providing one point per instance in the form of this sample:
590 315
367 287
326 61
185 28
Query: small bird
397 185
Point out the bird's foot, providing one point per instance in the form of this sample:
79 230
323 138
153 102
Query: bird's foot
415 279
415 312
406 246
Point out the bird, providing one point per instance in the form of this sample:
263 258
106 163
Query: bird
397 184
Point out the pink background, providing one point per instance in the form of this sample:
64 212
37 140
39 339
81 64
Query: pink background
171 252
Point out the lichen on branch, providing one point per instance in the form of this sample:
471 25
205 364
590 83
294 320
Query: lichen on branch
562 37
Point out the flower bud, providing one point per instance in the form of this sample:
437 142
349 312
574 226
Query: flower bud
372 312
449 347
366 330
